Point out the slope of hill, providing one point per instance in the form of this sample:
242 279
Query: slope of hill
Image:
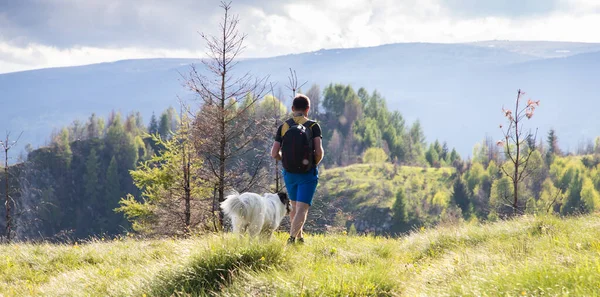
456 90
543 256
363 195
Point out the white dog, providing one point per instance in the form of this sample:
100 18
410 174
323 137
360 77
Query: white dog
255 214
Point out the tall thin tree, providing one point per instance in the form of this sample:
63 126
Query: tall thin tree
225 128
515 146
186 165
314 93
6 145
277 117
293 83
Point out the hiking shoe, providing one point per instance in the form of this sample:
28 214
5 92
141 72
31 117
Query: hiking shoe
291 240
301 240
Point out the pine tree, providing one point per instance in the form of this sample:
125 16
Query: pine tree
400 217
89 215
90 177
444 155
460 197
153 127
92 127
101 127
438 147
112 193
64 146
364 96
432 156
114 134
164 127
416 143
454 156
552 141
172 192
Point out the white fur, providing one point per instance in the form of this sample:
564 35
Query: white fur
255 214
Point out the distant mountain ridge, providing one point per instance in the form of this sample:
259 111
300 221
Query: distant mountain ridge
456 90
542 49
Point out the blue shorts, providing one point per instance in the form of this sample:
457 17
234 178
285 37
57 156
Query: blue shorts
301 187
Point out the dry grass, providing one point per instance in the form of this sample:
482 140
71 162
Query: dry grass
543 256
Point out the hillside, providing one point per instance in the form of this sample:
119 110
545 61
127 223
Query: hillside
430 82
363 195
529 256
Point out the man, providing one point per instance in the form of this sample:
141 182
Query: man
300 160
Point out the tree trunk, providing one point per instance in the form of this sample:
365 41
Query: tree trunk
221 182
7 202
214 208
223 141
222 156
518 144
187 189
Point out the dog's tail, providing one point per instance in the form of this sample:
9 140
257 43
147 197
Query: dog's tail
234 206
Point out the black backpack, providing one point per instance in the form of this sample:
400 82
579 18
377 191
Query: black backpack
297 149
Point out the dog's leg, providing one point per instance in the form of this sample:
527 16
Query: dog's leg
238 225
254 229
266 233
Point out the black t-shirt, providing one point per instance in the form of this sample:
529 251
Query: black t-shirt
316 129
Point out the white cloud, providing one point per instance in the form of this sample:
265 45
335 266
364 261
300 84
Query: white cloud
35 56
277 28
311 26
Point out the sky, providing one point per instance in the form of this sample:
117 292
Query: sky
52 33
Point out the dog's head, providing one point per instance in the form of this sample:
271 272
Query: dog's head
283 197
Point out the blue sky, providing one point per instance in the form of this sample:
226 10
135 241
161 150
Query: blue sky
49 33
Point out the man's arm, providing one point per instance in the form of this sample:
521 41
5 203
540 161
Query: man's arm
276 150
318 144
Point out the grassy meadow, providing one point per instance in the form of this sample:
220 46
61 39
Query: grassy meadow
528 256
365 185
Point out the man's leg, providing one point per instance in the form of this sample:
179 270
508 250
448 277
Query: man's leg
301 211
292 191
306 192
292 214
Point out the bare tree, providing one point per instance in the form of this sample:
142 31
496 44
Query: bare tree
314 93
293 83
186 166
515 146
225 128
277 117
6 145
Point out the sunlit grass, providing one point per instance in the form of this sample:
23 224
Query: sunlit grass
364 185
543 256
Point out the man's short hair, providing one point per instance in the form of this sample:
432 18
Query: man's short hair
301 102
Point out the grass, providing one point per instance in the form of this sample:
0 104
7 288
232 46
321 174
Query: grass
375 185
528 256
